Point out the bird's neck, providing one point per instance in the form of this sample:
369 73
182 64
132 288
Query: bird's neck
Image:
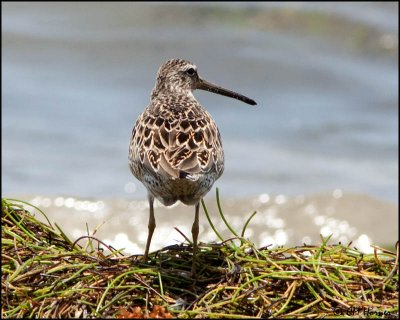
165 90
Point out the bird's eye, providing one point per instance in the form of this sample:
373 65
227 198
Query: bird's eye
190 71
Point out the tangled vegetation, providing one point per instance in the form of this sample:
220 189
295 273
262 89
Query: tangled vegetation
47 275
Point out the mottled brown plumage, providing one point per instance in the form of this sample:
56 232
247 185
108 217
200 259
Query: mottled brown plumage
175 148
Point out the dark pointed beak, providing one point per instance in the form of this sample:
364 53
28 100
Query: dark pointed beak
208 86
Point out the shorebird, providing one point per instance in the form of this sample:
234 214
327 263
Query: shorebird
175 148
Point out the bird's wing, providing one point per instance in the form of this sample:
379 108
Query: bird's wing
176 147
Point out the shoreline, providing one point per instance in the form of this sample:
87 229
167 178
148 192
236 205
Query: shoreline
279 221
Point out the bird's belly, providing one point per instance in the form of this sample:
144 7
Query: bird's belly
190 192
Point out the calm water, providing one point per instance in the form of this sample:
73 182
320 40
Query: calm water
325 76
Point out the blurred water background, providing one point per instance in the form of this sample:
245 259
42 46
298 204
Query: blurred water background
319 154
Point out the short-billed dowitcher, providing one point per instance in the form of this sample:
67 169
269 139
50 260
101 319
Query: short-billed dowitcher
175 148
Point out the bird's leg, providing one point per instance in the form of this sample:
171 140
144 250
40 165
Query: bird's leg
195 233
152 226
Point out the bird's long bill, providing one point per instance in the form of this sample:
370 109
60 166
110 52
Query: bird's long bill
208 86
